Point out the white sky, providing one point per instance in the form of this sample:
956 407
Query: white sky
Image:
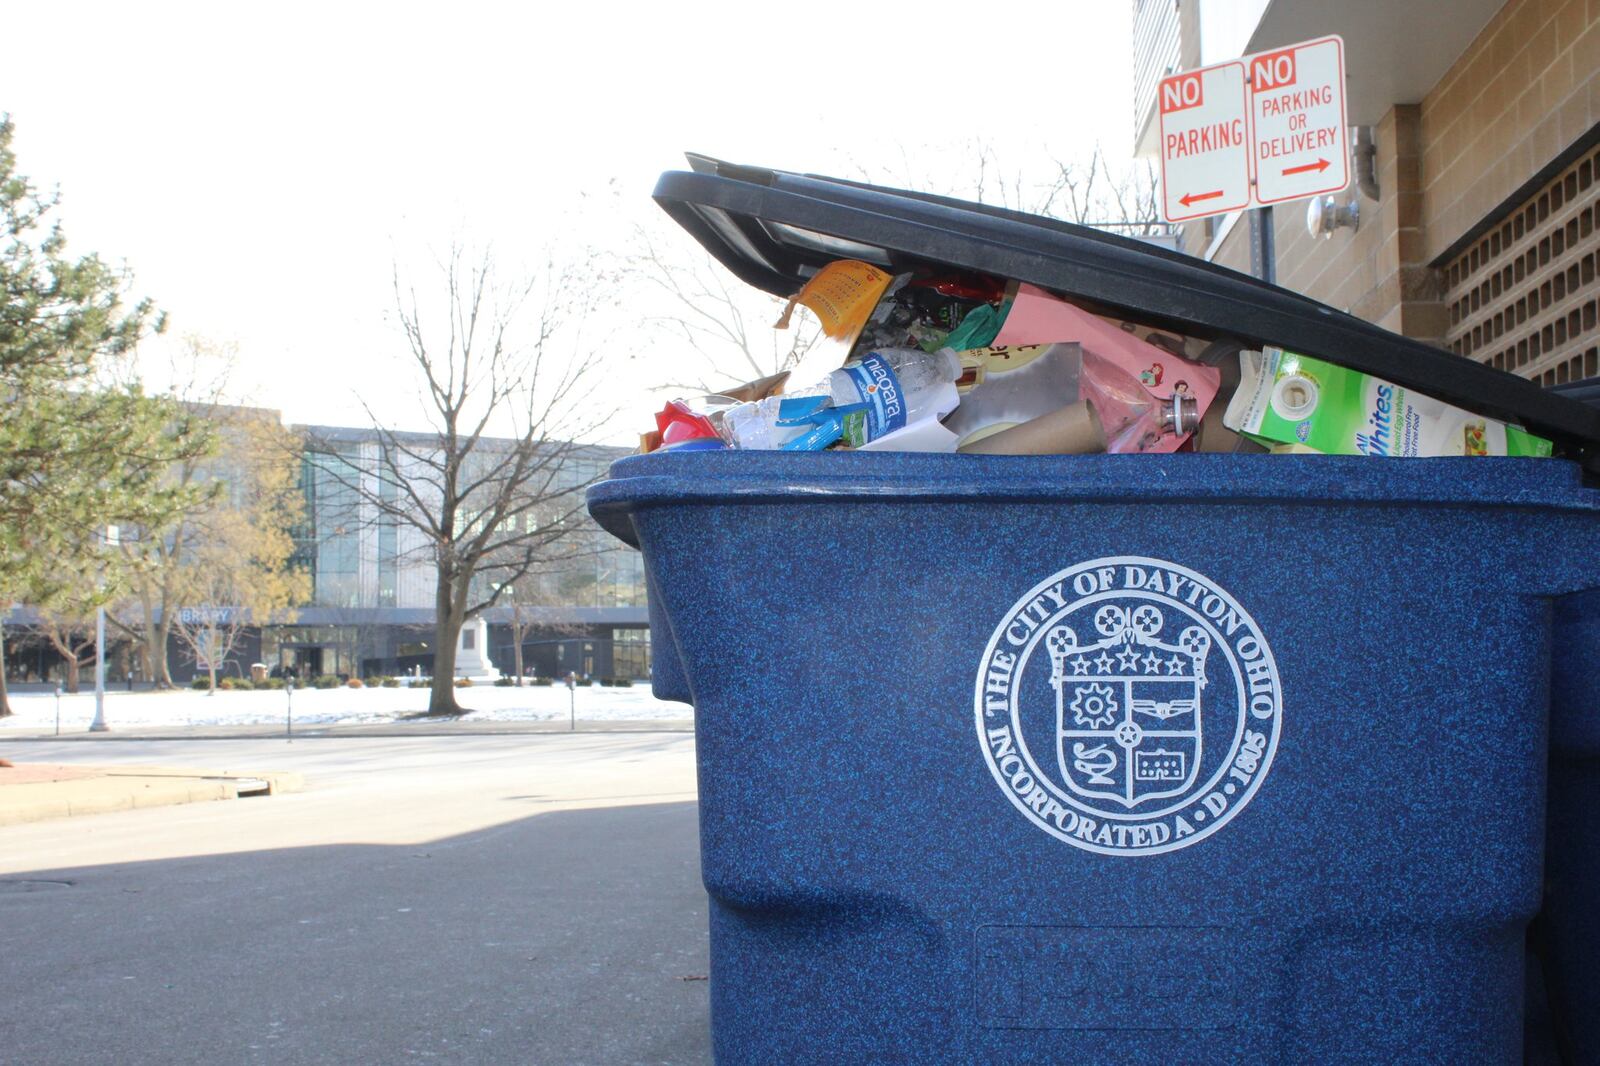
261 169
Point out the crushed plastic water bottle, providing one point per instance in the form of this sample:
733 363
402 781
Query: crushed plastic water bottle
864 400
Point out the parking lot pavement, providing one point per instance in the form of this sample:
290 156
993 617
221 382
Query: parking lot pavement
494 899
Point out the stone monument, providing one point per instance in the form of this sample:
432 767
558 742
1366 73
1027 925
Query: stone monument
472 652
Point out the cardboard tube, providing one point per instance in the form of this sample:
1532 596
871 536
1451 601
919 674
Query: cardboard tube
1071 430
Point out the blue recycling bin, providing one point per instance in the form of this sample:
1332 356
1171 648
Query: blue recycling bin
1123 759
1570 947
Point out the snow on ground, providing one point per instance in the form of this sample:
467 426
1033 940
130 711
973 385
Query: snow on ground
488 703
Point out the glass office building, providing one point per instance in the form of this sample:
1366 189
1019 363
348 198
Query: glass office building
371 610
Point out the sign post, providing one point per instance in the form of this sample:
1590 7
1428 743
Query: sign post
1255 131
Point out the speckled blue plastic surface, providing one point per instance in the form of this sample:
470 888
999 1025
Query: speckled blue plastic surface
881 893
1572 863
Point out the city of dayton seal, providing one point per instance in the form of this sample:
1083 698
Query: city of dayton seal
1128 706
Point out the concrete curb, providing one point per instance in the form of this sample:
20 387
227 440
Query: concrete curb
122 788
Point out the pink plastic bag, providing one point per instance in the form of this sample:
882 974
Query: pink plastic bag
1036 317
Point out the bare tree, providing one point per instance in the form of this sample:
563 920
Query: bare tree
5 695
698 308
79 578
209 636
490 365
73 640
560 579
232 570
1097 192
526 595
727 325
199 372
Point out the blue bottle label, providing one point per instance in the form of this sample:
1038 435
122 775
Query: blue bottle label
880 390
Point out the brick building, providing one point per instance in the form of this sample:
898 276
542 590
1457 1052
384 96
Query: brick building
1477 206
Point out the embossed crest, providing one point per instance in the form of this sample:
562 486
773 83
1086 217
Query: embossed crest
1128 721
1166 705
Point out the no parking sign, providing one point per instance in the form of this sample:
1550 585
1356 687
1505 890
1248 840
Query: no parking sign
1254 131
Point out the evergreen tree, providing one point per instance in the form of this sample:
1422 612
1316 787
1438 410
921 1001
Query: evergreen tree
79 450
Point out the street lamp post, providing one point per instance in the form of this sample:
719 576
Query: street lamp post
99 723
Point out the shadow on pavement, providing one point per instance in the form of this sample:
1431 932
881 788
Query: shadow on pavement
568 937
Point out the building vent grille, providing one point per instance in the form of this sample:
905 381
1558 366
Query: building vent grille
1523 296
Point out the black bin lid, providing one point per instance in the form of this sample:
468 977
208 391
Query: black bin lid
774 230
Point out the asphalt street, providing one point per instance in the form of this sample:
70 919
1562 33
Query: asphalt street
455 899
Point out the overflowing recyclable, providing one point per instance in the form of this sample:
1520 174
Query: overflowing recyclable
950 361
1296 403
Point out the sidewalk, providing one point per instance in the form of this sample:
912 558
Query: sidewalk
186 712
32 792
14 736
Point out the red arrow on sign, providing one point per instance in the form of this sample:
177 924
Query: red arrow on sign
1189 198
1319 166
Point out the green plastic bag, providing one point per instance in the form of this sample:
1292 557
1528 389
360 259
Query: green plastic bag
979 328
